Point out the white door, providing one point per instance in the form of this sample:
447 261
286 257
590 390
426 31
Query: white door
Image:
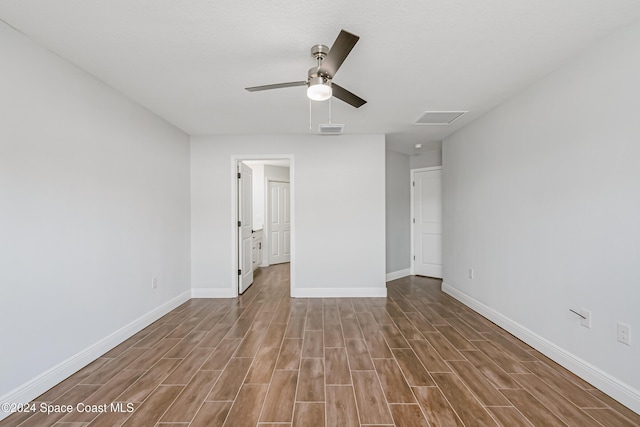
427 223
279 222
245 227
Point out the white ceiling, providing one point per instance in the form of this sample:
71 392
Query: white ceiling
190 60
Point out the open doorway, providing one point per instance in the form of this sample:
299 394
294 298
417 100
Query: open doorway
263 215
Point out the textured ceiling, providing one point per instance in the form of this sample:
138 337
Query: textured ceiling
189 60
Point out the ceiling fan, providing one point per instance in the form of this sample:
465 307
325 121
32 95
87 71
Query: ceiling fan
320 78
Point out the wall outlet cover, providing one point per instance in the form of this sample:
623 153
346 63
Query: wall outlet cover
586 319
624 332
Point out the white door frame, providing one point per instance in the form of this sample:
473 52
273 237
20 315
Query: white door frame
411 217
235 159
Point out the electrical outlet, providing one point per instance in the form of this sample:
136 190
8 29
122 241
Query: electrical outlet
586 319
471 273
624 333
154 283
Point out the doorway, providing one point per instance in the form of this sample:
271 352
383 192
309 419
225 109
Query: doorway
426 224
266 235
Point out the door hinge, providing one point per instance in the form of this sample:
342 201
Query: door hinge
414 183
239 175
414 220
239 224
414 257
239 272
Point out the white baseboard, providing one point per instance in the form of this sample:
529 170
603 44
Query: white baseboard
398 274
380 292
46 380
212 293
610 385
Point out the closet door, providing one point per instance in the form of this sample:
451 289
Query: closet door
427 223
279 222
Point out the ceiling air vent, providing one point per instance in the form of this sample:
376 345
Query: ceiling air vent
439 117
330 129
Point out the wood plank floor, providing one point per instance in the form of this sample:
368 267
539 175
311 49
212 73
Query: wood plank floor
416 358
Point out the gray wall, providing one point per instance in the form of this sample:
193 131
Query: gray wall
542 200
338 217
426 160
94 202
398 200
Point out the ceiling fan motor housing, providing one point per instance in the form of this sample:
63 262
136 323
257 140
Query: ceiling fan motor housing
319 80
319 51
315 77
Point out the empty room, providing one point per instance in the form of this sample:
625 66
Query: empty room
382 213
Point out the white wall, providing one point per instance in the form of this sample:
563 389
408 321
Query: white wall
338 188
276 173
94 201
398 214
542 200
427 159
257 192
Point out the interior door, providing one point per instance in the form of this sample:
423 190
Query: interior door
427 226
245 227
279 222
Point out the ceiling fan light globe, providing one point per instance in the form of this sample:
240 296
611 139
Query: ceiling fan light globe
319 91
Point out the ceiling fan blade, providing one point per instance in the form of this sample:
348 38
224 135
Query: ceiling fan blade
275 86
338 52
346 96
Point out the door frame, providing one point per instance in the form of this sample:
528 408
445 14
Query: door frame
412 210
235 159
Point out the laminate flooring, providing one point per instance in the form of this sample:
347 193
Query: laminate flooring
415 358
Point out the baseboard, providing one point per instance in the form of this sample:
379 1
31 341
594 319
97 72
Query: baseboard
339 292
398 274
43 382
212 293
610 385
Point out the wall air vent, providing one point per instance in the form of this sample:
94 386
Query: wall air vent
330 129
439 117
